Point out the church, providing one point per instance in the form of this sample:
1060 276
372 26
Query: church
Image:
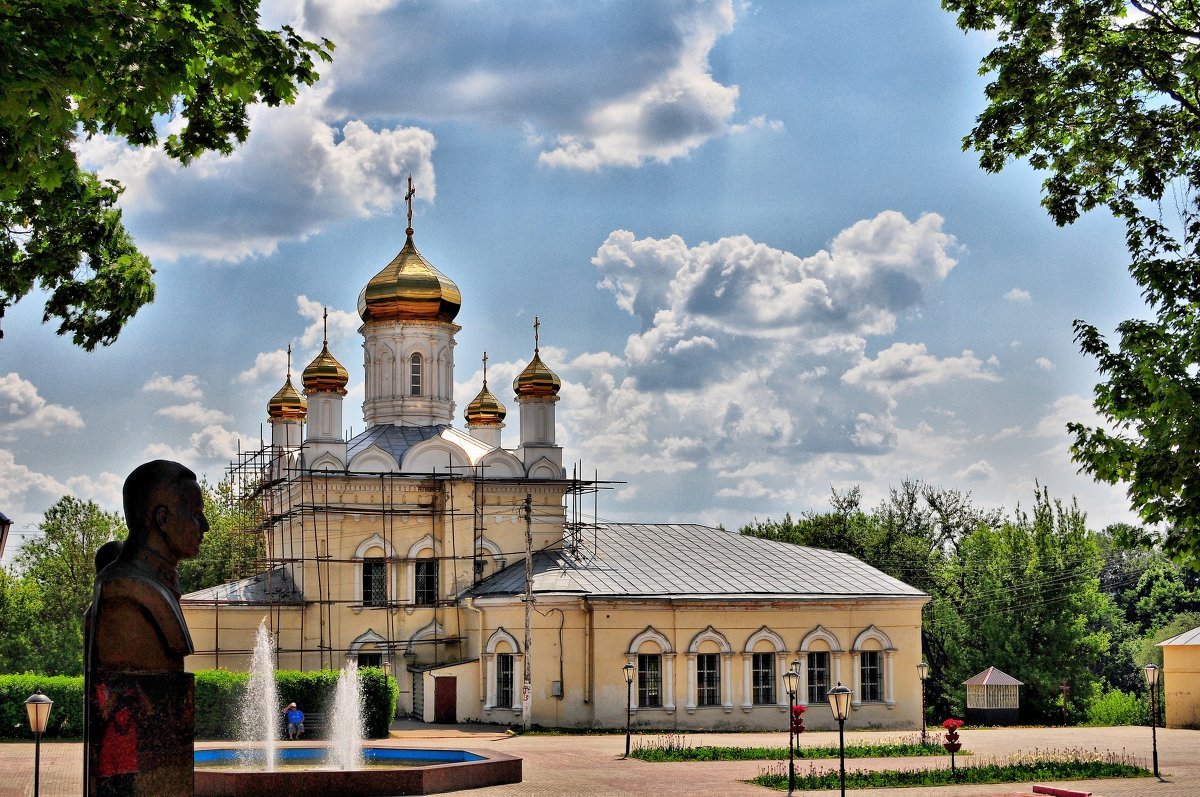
469 571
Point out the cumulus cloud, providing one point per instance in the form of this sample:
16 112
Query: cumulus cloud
214 444
1018 295
977 471
18 481
268 365
642 92
342 324
1044 364
194 413
186 386
22 409
301 170
908 366
105 489
1064 410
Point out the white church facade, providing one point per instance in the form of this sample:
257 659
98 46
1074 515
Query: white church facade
412 546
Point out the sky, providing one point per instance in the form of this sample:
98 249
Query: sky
763 265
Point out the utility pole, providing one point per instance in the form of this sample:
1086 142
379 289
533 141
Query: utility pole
527 680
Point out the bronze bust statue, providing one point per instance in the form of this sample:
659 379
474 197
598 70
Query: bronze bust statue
139 723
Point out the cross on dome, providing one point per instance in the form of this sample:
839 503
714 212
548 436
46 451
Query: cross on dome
408 198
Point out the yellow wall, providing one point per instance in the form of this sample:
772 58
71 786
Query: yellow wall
1181 685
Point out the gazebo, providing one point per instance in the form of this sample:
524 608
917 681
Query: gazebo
993 698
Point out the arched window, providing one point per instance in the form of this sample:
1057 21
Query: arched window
414 374
820 665
708 671
872 653
651 654
762 662
503 661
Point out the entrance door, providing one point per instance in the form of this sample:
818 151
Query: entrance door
445 698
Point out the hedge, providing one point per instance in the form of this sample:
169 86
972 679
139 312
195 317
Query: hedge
66 715
218 694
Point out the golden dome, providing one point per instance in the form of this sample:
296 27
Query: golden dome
485 409
325 374
409 289
536 381
287 404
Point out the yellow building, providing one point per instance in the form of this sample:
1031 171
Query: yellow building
408 547
1181 679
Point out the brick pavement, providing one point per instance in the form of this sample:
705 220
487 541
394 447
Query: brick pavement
592 765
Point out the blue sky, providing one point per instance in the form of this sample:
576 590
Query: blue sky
763 265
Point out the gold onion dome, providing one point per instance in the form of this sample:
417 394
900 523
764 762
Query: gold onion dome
537 380
409 289
287 404
485 409
325 374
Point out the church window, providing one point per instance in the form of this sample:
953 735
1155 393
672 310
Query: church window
649 680
763 673
871 673
504 679
374 581
818 676
708 679
414 373
370 660
426 592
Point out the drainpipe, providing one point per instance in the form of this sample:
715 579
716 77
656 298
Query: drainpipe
470 604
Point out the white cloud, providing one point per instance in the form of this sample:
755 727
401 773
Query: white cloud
105 490
186 386
907 366
212 445
17 481
643 92
193 413
300 170
342 324
23 409
268 366
977 471
1065 409
1018 295
1044 364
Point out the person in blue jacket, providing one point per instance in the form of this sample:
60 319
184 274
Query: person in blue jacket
295 721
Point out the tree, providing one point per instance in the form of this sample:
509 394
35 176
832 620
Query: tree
233 546
1104 95
60 567
117 67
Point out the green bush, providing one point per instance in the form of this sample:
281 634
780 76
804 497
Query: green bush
218 698
66 715
1118 708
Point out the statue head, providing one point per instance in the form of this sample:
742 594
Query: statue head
164 509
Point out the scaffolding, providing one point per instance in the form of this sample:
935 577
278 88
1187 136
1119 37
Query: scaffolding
292 509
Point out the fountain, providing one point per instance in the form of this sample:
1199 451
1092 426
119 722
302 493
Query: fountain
259 718
347 730
261 766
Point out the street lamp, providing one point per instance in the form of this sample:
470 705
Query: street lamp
37 706
790 680
922 673
627 671
839 701
1151 673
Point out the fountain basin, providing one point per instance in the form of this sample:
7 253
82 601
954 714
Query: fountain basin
389 771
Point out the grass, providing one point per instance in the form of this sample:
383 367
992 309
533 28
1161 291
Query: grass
1048 765
674 747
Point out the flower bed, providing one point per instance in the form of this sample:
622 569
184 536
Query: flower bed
674 747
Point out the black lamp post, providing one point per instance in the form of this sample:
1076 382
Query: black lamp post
839 701
37 706
790 680
627 670
1151 673
922 673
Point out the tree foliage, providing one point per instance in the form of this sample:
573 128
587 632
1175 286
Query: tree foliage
1104 96
233 546
42 605
118 67
1023 593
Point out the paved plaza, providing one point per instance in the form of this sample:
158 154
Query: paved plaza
592 765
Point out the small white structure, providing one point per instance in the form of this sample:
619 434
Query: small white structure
993 698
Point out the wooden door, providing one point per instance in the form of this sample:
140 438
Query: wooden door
445 699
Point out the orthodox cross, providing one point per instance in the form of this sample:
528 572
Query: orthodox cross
289 376
408 197
325 322
485 369
536 324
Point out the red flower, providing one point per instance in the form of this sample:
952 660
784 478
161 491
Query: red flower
952 724
798 710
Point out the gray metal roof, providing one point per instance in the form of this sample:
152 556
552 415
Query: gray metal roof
275 585
687 560
992 677
1186 638
396 440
